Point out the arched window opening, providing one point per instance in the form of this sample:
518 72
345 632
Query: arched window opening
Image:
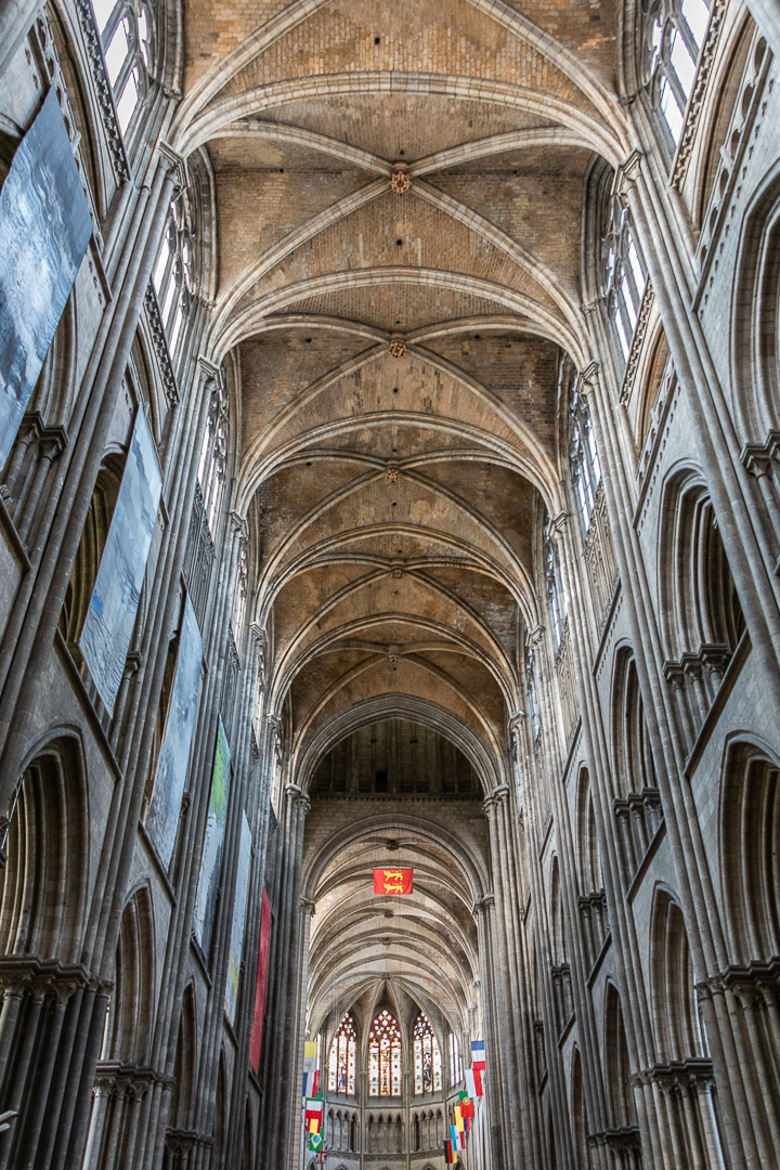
556 597
90 551
616 1063
584 459
341 1062
530 686
427 1057
384 1056
126 30
173 275
456 1061
750 836
212 465
579 1119
674 33
625 276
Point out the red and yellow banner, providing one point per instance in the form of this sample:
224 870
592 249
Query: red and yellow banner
393 881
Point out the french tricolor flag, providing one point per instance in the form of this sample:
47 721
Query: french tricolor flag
478 1055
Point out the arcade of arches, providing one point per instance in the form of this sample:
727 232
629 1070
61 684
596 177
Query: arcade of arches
394 484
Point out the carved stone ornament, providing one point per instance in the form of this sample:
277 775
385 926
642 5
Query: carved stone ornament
397 347
392 473
400 180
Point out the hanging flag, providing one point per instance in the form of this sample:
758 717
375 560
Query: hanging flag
466 1106
311 1075
474 1083
313 1113
478 1055
459 1123
393 881
315 1142
449 1153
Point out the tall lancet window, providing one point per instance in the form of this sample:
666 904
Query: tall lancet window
126 30
341 1062
583 458
625 276
173 275
384 1057
556 598
533 697
427 1057
673 36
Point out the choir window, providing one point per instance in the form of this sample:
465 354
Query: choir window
384 1057
427 1057
341 1063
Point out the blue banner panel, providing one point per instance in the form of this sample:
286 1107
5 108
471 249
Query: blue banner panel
105 638
44 232
239 920
211 865
162 820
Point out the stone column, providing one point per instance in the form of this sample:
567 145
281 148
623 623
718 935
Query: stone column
297 1139
281 1100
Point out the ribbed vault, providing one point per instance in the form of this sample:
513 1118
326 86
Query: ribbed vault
399 194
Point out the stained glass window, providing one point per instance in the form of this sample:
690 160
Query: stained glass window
427 1057
384 1057
341 1062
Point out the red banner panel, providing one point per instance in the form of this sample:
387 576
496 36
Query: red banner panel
393 881
256 1045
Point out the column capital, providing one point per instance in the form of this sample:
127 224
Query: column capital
588 375
514 726
483 904
297 797
175 164
240 524
557 524
494 799
627 175
535 636
307 906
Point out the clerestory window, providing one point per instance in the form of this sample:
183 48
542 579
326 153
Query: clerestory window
584 461
674 32
556 598
126 30
625 276
212 465
533 697
173 274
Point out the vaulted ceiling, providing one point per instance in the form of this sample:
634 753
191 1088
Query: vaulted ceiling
398 192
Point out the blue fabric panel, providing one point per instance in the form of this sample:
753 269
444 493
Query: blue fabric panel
162 820
105 639
211 865
44 231
239 920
